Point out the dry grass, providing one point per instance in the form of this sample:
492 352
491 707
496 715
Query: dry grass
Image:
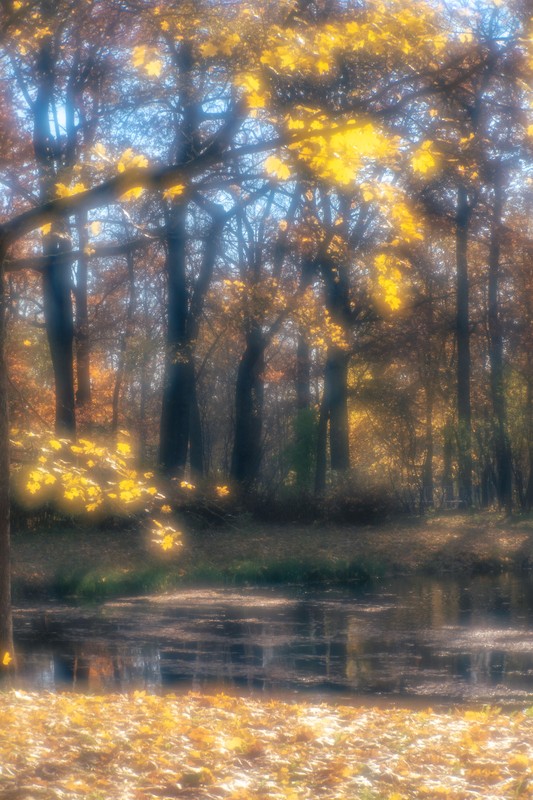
441 544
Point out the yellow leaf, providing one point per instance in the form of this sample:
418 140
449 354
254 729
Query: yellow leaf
153 68
123 448
167 542
95 227
99 150
128 160
67 191
138 56
208 50
45 229
174 191
424 160
55 444
276 167
7 659
132 194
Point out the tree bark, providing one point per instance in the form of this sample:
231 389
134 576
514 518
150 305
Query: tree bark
336 389
305 422
321 446
83 348
6 617
502 447
175 413
127 333
464 432
180 422
246 456
57 299
58 315
427 467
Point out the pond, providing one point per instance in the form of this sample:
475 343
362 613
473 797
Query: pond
407 640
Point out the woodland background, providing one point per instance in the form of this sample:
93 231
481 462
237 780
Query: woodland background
317 281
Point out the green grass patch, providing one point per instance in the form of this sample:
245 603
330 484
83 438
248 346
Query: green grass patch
101 583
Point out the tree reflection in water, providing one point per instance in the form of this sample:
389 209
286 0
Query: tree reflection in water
457 640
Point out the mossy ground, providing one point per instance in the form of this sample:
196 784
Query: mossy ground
111 560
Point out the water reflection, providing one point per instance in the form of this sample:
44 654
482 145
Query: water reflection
418 637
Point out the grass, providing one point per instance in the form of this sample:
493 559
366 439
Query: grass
100 583
108 562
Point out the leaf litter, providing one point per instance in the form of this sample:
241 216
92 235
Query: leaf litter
140 746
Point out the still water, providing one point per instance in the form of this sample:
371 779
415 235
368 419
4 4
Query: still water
450 641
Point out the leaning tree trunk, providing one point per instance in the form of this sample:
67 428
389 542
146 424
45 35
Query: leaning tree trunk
502 447
6 619
464 432
58 316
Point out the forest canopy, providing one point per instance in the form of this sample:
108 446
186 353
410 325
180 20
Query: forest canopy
285 245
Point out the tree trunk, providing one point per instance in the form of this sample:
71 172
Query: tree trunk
196 437
336 391
305 422
126 335
321 446
179 377
447 457
502 448
57 304
464 432
83 350
246 456
427 468
6 619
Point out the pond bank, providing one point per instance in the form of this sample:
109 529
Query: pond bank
102 562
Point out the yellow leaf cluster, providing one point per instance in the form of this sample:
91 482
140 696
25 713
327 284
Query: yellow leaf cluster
424 160
277 168
337 152
254 90
174 191
146 58
387 30
223 44
129 160
389 278
86 476
395 209
67 191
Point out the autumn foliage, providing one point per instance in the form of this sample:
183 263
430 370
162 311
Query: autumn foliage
203 746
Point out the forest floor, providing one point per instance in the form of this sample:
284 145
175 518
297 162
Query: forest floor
98 561
201 747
